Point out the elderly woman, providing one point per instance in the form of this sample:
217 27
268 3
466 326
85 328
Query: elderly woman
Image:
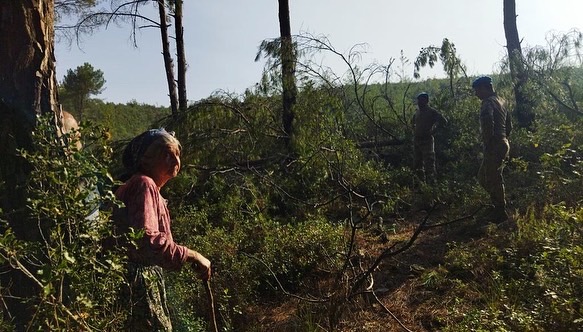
151 159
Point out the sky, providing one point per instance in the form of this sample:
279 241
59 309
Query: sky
222 38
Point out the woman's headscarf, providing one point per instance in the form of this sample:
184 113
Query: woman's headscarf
133 153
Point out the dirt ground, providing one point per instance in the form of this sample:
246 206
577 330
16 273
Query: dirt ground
400 301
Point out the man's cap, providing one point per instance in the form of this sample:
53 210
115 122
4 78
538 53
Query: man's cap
484 80
422 95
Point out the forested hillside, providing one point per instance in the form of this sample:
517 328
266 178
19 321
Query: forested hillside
301 192
337 235
332 231
122 121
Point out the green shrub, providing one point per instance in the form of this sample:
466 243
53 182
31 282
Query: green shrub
532 283
74 278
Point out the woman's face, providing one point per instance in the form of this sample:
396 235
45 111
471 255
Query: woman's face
172 160
167 165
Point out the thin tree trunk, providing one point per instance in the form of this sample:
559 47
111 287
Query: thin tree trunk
181 57
288 70
524 109
80 105
168 64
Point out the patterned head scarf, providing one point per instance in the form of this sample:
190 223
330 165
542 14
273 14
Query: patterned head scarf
135 150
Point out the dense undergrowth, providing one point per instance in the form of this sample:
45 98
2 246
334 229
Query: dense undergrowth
331 231
527 280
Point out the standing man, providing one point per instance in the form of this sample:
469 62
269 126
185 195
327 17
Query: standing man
425 122
495 126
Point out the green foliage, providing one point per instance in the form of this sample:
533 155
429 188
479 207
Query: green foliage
74 276
250 257
532 283
64 8
122 121
547 164
529 280
555 69
79 84
270 221
428 56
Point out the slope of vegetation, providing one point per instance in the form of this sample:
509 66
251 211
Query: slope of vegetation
458 272
333 232
122 121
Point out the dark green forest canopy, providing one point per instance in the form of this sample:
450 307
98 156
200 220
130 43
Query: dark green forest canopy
123 121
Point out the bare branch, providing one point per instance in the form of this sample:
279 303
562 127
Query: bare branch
389 252
310 299
389 312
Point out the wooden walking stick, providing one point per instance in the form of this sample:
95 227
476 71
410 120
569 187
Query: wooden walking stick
211 302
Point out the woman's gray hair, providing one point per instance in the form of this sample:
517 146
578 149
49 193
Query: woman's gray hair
146 147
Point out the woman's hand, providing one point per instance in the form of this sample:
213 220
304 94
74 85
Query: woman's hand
201 264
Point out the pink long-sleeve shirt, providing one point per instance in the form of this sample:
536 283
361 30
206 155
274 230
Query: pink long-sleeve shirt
145 209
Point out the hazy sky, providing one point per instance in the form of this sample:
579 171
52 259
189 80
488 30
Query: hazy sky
222 38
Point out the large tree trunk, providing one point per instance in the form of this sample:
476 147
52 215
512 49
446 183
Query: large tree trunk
27 89
168 64
524 110
180 56
28 85
288 69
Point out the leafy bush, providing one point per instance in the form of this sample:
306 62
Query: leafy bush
71 274
273 216
532 283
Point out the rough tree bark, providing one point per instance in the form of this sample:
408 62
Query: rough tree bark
287 69
27 70
168 64
27 89
524 110
28 84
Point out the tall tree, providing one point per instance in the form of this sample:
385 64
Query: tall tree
79 84
27 84
180 55
27 89
176 88
131 11
288 68
168 61
524 110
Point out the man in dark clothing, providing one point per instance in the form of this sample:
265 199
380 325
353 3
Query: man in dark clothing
425 122
495 128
